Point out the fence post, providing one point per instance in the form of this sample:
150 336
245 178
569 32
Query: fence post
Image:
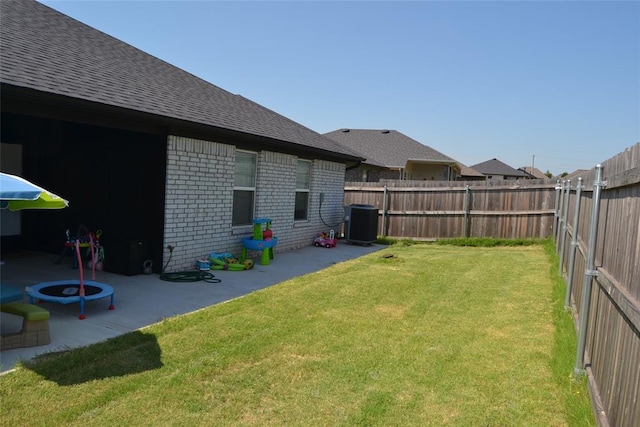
384 212
467 210
560 213
555 213
565 214
574 246
589 272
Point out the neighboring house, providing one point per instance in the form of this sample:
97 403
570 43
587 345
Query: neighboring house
470 174
573 176
390 154
534 173
149 153
495 169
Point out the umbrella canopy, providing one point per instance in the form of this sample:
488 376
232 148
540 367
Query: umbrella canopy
17 193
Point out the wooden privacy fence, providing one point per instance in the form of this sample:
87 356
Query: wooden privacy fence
598 240
428 210
595 221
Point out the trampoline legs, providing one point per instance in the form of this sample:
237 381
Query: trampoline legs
82 316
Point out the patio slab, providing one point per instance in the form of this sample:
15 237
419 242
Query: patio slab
143 300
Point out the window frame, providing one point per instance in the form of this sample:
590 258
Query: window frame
240 188
301 190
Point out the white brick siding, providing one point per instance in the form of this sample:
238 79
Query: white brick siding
199 200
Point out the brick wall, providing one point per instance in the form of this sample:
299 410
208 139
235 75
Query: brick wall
199 199
327 178
199 191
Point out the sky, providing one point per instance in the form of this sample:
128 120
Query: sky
549 84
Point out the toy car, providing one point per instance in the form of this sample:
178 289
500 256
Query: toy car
326 240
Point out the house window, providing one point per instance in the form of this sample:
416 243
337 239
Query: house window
244 188
303 178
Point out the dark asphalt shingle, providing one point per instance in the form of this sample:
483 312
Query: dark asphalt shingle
388 148
45 50
496 167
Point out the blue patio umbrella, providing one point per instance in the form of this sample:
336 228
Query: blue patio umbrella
17 193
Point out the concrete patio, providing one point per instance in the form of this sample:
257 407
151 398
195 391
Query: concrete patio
142 300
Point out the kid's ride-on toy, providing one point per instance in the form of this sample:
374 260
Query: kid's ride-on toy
326 240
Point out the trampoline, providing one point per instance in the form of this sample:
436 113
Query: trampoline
70 291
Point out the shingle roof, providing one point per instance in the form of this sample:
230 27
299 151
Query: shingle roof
573 176
388 148
534 172
496 167
466 171
45 50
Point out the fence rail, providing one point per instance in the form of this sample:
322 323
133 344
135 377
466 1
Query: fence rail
408 209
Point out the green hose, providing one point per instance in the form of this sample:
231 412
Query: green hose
189 276
186 276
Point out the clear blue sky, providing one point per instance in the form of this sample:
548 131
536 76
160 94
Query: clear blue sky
475 80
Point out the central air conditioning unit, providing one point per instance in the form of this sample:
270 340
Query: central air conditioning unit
361 224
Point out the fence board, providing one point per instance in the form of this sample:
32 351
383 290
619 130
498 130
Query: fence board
429 210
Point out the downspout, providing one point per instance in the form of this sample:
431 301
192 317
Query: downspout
589 272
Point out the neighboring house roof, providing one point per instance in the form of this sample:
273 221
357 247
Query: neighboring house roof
388 148
47 51
496 167
466 171
534 172
573 176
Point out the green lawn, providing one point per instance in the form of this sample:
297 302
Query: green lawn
413 335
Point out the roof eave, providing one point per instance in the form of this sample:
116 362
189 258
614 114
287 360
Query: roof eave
28 101
433 162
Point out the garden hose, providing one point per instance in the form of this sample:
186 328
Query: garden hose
186 276
189 276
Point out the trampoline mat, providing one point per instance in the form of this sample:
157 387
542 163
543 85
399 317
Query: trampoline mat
69 290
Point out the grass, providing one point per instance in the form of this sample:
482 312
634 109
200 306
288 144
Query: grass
415 334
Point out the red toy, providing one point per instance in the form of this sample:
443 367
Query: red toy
326 240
